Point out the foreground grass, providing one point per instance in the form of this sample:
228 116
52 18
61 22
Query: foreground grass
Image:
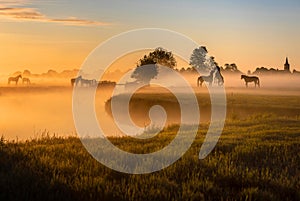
256 159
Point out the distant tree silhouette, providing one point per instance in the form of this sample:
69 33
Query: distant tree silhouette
51 73
26 73
182 70
231 68
264 70
147 68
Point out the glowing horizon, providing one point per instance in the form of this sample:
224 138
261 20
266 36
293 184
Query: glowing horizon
59 35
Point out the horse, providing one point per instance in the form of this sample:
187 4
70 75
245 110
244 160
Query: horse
219 79
14 79
25 80
75 81
88 83
208 79
94 82
251 79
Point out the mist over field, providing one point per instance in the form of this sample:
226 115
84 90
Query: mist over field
30 111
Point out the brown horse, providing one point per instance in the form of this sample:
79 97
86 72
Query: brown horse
25 80
75 81
251 79
14 79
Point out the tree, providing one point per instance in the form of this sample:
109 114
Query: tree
231 67
261 70
26 73
182 70
146 67
200 60
227 66
145 73
158 56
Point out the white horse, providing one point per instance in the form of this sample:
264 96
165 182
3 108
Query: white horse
208 79
219 79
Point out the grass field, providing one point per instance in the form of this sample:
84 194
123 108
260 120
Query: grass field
256 158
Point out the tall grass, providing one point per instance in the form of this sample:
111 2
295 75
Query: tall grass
257 158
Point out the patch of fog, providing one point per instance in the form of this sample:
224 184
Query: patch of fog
26 114
31 112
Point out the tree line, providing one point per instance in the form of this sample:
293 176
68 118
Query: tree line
147 69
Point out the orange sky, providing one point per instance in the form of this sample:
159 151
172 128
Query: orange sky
20 52
39 36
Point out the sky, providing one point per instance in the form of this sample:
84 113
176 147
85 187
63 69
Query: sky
59 34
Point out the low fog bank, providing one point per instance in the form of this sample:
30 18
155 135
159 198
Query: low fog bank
266 81
231 80
46 81
33 110
239 106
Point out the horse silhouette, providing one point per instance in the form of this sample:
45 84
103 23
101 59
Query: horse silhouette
219 79
75 81
88 83
208 79
26 80
14 79
83 82
251 79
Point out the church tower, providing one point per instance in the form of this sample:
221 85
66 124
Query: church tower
287 65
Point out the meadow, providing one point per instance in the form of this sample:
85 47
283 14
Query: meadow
256 158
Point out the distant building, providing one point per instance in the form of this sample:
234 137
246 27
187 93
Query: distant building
287 65
264 70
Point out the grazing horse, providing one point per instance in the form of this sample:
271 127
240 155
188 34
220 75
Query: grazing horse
208 79
14 79
75 81
25 80
219 79
250 79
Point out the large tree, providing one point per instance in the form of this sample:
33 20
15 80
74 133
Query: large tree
158 56
200 60
146 67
